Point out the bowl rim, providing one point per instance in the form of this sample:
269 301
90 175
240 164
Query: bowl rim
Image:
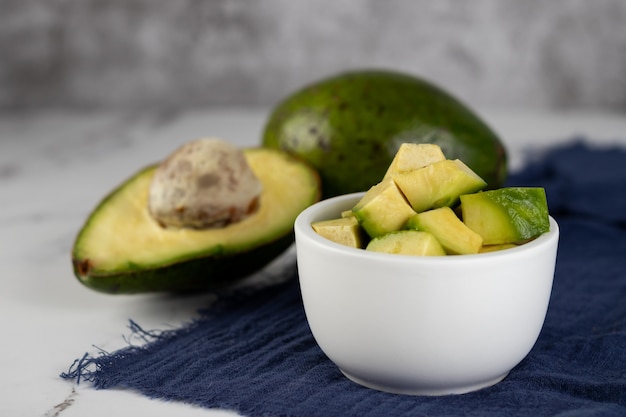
303 230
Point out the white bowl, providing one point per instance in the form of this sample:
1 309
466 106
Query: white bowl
422 325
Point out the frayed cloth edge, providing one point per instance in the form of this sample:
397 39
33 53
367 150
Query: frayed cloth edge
88 367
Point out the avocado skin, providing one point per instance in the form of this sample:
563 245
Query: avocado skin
349 127
207 273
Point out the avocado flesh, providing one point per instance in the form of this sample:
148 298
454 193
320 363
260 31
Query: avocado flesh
122 249
345 231
382 209
506 215
350 126
496 248
438 185
407 242
455 237
413 156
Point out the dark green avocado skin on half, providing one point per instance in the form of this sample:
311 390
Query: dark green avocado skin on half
193 276
350 126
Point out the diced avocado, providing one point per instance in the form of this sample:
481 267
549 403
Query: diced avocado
345 231
347 213
123 249
455 237
496 248
438 185
412 156
407 242
382 209
506 215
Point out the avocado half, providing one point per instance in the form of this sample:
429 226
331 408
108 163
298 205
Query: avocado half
349 127
121 249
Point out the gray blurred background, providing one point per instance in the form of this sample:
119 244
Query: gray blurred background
174 54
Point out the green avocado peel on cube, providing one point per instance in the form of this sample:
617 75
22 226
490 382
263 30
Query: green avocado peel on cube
506 215
350 126
123 249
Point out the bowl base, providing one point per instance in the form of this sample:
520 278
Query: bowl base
425 390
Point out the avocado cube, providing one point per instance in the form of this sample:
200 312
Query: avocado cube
407 242
439 184
345 231
506 215
382 209
496 248
347 213
411 156
455 237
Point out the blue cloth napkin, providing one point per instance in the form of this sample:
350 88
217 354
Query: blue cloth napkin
253 351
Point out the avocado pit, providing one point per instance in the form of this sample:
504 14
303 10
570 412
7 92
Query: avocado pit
206 183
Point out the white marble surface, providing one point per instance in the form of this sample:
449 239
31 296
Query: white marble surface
54 168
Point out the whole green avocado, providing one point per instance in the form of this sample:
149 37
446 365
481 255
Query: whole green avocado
349 127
